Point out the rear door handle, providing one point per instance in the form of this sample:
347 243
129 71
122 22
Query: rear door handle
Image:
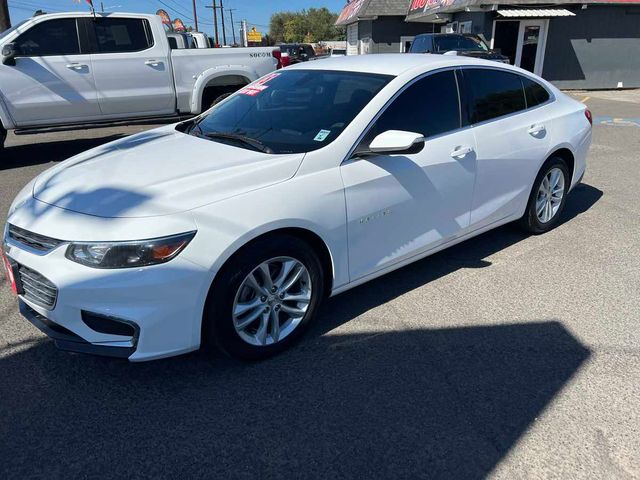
461 151
76 66
535 129
153 63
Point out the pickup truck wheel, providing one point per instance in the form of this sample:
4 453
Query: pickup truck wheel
221 98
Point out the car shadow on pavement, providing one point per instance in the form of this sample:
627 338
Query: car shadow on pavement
443 403
38 153
419 403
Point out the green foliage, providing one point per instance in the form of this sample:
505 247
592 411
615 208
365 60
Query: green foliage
312 25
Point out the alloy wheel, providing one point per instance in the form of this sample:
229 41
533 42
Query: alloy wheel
550 195
272 301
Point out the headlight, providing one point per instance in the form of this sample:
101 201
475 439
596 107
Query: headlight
128 254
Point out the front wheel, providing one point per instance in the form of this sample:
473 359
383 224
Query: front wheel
548 197
264 299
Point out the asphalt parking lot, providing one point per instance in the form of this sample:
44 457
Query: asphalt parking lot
507 356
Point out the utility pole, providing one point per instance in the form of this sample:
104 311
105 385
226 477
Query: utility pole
215 21
233 28
224 33
195 14
5 21
243 34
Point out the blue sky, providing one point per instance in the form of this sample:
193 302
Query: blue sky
257 12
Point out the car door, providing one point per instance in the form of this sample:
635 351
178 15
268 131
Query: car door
132 70
52 81
401 205
511 142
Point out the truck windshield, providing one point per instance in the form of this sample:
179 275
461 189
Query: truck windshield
445 43
293 111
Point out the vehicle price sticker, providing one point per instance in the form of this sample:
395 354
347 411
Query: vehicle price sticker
260 86
322 135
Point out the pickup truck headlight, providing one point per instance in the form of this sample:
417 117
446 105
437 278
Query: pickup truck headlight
128 254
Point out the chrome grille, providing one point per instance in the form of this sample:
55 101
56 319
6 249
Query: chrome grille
33 240
37 288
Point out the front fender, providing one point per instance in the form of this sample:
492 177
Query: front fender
213 73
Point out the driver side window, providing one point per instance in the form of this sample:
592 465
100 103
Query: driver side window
430 106
52 37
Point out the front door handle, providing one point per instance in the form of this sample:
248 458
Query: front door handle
76 66
153 63
536 129
461 151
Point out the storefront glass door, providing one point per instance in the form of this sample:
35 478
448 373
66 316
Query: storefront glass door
523 41
531 43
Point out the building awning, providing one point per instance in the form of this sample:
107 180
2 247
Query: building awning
536 13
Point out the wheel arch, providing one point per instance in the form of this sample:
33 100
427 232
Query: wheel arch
567 155
216 78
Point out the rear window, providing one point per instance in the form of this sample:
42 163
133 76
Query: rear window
120 35
445 43
421 44
493 93
534 92
292 111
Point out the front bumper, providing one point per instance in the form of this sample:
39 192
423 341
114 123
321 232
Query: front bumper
67 340
164 303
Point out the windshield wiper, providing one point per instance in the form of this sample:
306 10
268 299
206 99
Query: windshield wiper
252 142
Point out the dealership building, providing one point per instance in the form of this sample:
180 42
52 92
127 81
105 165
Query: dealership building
573 44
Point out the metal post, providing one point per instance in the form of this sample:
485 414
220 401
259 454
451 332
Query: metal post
224 33
195 15
233 25
215 22
5 21
243 34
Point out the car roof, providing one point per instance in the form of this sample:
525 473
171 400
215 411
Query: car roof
392 63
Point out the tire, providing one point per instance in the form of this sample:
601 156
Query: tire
221 98
232 291
535 221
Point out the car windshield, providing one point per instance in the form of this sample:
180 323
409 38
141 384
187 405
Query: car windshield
11 30
293 111
445 43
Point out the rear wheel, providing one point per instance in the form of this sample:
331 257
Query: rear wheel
548 197
264 299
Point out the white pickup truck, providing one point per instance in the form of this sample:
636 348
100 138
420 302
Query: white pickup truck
66 70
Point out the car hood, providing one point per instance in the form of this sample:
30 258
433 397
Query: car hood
159 172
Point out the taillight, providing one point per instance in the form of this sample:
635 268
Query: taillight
277 54
286 60
587 113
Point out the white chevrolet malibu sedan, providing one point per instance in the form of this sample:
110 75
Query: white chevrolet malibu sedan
229 229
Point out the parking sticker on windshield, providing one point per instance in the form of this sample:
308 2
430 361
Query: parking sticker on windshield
322 135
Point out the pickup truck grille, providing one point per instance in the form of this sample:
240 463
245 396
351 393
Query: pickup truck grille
37 288
33 240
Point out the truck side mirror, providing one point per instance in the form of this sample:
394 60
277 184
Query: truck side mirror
9 52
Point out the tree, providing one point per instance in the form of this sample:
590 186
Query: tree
313 25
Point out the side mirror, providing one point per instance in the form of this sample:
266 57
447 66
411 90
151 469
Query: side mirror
9 52
451 52
397 142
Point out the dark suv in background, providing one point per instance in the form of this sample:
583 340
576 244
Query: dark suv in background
298 52
463 44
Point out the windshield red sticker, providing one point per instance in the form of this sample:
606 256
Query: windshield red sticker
259 86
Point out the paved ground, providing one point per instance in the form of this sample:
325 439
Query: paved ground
507 356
